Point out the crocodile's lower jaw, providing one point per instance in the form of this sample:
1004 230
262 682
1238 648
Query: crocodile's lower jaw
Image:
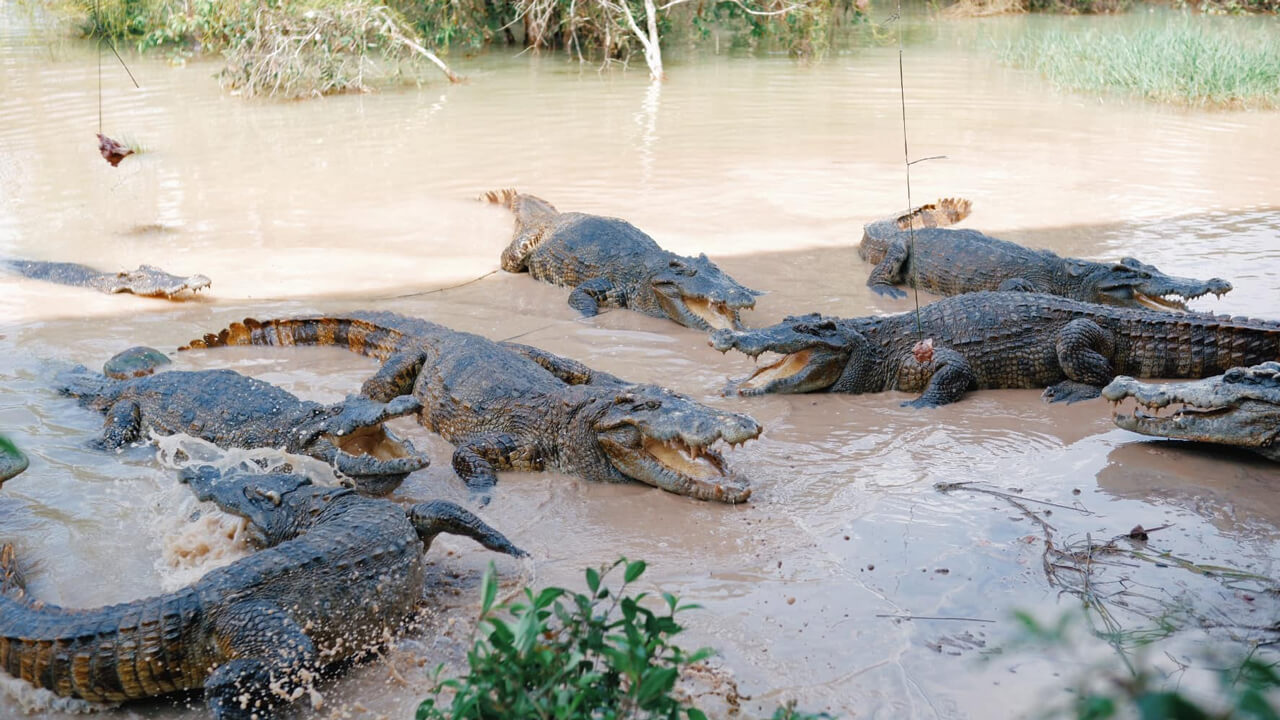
785 368
372 441
693 463
1159 303
715 314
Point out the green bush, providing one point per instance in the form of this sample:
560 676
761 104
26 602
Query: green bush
1175 59
599 655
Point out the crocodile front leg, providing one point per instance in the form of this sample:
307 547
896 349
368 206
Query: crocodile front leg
124 425
439 516
1083 347
945 378
396 376
890 271
590 295
569 371
273 662
477 460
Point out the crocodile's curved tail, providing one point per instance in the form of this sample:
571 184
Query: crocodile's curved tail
943 212
527 208
362 336
106 654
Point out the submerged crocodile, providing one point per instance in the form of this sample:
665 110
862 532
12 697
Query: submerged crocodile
337 572
507 406
1240 407
950 262
12 461
610 262
996 340
231 410
147 280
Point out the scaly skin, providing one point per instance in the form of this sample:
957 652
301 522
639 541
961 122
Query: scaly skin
610 262
1240 407
231 410
513 407
952 262
337 572
147 280
12 461
997 340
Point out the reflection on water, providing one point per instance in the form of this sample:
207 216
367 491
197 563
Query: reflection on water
364 202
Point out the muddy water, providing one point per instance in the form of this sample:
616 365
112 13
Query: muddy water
770 167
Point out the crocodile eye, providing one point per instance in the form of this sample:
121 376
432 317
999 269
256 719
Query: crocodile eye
651 405
270 495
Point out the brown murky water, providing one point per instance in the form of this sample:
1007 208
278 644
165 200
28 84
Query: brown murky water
770 167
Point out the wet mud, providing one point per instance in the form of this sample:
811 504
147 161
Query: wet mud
817 589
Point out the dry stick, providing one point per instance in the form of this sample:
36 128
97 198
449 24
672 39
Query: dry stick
947 487
906 163
933 617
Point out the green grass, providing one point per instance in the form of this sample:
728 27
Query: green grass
1196 61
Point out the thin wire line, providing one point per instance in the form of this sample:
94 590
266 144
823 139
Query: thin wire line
906 163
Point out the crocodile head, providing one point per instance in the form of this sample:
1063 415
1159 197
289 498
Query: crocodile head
278 506
697 294
665 439
1131 283
351 437
151 281
1240 407
815 353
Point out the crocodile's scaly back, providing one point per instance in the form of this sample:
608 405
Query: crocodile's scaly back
917 248
534 217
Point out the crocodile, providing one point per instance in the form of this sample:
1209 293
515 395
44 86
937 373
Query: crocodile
1241 407
610 262
507 406
916 248
146 280
232 410
12 461
996 340
335 574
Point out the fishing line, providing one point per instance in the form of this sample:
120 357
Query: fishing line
102 35
906 164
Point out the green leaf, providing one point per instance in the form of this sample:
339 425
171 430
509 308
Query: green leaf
695 714
489 589
593 580
634 570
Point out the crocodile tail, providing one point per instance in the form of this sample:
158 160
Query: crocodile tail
506 197
944 212
362 337
12 582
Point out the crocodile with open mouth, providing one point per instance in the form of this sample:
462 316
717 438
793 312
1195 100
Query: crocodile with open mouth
146 280
917 248
232 410
996 340
1241 407
610 262
507 406
337 573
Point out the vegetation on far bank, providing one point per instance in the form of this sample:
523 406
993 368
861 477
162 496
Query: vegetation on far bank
299 48
1172 59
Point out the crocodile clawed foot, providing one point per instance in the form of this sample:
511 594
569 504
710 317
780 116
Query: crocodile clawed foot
1070 391
920 403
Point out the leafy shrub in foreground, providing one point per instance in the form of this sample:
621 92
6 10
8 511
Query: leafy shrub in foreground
599 655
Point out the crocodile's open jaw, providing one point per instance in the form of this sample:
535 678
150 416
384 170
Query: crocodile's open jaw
802 371
1227 412
374 458
698 313
695 470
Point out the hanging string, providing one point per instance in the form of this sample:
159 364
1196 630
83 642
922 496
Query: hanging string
906 164
102 35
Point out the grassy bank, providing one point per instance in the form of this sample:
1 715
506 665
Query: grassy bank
1196 61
